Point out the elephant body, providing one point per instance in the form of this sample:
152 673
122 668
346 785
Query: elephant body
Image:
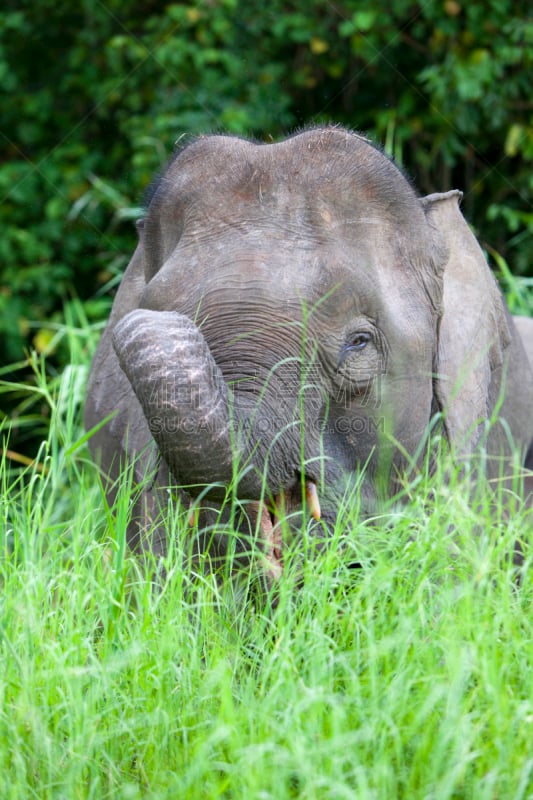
292 319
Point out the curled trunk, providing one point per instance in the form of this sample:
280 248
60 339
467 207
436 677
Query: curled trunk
183 396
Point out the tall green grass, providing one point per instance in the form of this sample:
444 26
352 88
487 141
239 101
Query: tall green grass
408 677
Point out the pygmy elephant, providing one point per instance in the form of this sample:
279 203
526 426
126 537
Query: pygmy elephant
292 319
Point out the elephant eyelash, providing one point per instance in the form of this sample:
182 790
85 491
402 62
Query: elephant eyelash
355 344
359 341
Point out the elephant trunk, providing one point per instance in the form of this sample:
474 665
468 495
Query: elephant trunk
184 397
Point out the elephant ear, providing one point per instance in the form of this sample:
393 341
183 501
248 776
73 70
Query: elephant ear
473 330
109 394
125 438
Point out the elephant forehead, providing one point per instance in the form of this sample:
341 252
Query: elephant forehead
278 271
277 221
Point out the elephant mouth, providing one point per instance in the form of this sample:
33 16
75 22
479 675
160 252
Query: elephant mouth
267 520
272 521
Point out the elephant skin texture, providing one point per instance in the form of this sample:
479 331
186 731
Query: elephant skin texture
292 320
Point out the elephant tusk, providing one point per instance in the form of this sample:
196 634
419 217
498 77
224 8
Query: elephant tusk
311 495
271 537
194 514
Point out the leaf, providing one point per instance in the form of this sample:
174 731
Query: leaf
513 140
364 20
318 46
42 340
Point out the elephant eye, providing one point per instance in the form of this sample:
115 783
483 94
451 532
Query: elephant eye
359 341
354 343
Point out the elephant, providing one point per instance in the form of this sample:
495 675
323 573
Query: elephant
293 324
524 326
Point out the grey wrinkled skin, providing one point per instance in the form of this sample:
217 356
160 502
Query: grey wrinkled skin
295 312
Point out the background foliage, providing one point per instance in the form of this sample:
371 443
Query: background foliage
96 93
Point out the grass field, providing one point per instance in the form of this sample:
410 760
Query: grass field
409 677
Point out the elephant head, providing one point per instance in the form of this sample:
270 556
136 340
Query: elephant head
292 319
